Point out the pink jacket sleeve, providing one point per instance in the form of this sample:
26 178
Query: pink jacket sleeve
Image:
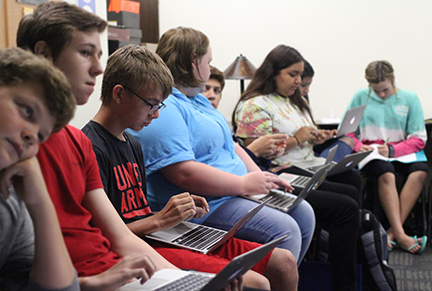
409 146
357 144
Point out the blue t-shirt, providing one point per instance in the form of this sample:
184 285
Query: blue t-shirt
189 129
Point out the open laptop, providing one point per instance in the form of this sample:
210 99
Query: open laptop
351 120
168 279
281 201
301 181
201 238
346 164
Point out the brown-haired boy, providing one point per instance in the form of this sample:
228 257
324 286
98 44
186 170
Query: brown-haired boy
35 100
105 253
135 83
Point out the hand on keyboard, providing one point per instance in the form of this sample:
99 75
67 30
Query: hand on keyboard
180 208
125 271
261 182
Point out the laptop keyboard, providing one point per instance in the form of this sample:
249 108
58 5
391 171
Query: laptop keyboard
200 237
189 282
300 181
278 200
315 168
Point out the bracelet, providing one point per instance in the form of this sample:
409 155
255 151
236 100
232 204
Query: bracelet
298 142
391 151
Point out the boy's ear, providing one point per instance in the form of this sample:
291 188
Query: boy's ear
117 93
194 61
42 48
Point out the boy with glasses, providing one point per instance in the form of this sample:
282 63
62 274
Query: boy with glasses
121 165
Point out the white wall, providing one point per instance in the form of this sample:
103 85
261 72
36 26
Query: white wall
84 113
338 37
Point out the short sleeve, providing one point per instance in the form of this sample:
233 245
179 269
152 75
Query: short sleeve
93 178
253 120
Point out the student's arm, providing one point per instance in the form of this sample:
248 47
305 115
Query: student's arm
269 146
139 259
303 135
123 241
251 166
249 163
358 145
206 180
52 267
415 130
181 207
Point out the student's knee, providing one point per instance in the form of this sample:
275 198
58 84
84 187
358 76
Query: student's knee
282 270
387 178
254 280
418 176
282 261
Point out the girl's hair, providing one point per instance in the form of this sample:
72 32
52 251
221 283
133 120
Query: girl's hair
179 48
263 82
379 71
308 71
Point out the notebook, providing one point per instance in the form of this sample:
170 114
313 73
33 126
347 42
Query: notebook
301 181
168 279
351 120
201 238
281 201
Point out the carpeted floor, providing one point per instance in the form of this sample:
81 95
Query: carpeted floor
413 272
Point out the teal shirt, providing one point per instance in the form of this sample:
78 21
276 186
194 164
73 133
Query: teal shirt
398 117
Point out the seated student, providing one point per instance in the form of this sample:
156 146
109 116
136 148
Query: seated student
190 148
35 100
393 124
105 253
126 105
272 103
263 149
306 80
344 143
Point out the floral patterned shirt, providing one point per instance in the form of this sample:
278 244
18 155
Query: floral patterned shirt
269 114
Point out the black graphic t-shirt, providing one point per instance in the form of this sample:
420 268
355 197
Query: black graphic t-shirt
121 166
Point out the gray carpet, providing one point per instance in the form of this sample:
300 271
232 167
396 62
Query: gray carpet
413 272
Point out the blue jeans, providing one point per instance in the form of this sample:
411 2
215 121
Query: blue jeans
268 224
342 150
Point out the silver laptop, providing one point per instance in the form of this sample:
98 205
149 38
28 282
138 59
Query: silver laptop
167 279
281 201
301 181
351 120
347 163
201 238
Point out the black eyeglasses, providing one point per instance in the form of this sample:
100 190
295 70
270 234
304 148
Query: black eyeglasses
153 108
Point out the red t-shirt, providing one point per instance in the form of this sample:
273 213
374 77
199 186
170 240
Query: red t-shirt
70 169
